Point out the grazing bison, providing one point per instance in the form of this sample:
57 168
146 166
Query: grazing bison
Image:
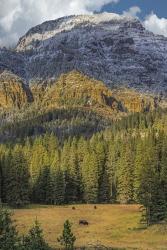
95 207
83 222
73 208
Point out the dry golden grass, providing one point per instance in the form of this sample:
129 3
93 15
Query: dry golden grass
109 225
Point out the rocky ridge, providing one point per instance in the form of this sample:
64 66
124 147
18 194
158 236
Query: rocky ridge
113 48
73 90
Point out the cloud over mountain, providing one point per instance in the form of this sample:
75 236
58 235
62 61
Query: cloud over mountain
151 22
133 11
156 25
17 16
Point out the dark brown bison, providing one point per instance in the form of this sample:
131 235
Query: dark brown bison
83 222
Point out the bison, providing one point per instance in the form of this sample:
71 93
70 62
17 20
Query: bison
83 222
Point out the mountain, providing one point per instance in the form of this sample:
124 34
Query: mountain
78 74
82 115
115 49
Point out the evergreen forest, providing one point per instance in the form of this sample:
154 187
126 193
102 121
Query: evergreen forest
124 163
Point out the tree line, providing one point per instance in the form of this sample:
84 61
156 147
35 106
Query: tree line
127 166
34 121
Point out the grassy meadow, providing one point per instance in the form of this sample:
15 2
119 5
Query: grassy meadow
114 226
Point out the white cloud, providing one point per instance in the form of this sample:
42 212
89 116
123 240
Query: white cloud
155 24
151 22
133 11
17 16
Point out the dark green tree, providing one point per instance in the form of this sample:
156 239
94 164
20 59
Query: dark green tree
35 240
90 177
59 187
111 167
9 239
43 188
148 183
67 239
104 187
70 167
125 174
17 179
163 166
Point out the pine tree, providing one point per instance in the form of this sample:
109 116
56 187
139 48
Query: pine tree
83 147
5 164
58 180
90 177
67 239
103 177
149 187
35 240
39 159
50 142
41 179
69 165
9 239
163 167
18 180
125 175
104 187
111 167
74 172
59 187
150 196
44 190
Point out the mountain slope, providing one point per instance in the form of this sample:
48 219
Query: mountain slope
73 101
13 92
112 48
74 104
75 90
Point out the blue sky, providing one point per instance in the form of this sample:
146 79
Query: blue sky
147 6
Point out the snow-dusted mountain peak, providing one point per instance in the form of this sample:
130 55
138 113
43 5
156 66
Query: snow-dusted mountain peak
113 48
49 29
100 18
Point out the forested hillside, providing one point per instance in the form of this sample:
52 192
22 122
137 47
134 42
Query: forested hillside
125 163
74 140
73 105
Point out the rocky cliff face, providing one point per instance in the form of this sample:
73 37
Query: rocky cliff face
13 92
112 48
70 91
133 101
76 90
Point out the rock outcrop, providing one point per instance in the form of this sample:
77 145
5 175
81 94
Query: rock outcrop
73 90
76 90
13 92
133 101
